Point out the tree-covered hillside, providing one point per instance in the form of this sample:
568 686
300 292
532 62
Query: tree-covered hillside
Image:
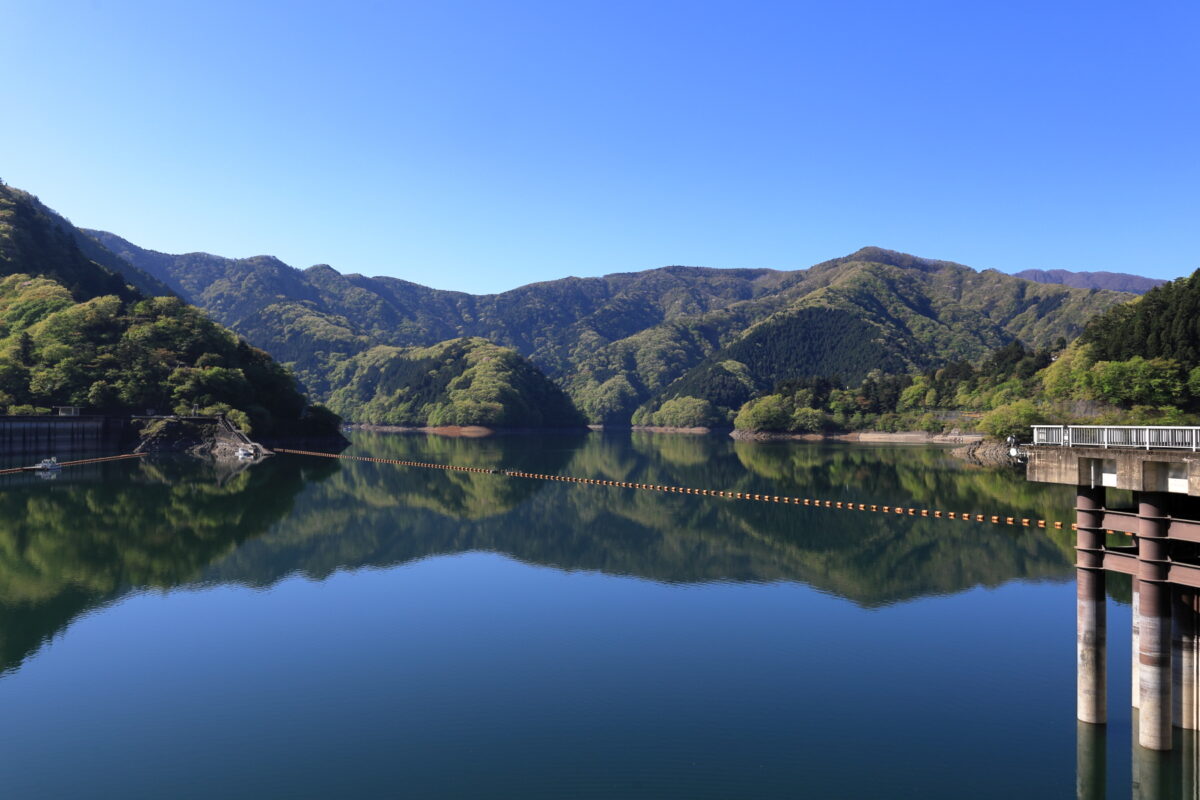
1165 323
34 240
116 355
77 328
74 332
1137 363
886 312
620 342
457 382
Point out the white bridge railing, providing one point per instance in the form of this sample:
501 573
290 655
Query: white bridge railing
1146 437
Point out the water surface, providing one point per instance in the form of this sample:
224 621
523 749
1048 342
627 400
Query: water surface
317 628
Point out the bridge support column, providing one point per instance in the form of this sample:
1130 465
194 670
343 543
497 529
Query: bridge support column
1183 660
1154 623
1135 692
1091 618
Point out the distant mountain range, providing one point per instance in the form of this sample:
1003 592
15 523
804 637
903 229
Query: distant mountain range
1113 281
631 341
676 343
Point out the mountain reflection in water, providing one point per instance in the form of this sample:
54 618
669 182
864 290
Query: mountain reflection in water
70 546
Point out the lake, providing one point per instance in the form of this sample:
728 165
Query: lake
329 628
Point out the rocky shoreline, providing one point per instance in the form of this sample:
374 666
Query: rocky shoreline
215 438
986 453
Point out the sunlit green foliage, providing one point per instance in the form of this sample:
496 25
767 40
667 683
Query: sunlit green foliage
1013 419
72 332
770 413
1163 323
458 382
780 413
1137 363
1129 368
113 355
686 412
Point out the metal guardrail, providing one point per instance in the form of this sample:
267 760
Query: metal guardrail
1145 437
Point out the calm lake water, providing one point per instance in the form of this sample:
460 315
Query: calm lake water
316 628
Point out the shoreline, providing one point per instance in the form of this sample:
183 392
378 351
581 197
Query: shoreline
866 437
455 431
986 453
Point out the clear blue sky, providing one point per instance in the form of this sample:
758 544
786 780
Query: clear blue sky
483 145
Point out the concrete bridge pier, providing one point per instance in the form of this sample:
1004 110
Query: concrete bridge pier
1161 466
1135 692
1154 623
1091 618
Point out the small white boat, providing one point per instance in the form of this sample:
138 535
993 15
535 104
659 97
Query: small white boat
48 464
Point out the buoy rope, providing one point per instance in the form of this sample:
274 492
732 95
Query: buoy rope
1025 522
77 463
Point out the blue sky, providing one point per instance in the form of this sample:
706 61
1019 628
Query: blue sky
482 145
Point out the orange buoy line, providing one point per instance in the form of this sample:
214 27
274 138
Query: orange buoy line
76 463
1021 522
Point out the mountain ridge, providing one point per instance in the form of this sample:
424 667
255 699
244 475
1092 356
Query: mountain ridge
617 342
1116 281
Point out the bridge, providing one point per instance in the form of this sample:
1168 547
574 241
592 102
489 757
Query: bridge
1160 466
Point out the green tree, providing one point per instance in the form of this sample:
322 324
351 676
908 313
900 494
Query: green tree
769 413
102 396
1013 419
808 420
686 412
1139 381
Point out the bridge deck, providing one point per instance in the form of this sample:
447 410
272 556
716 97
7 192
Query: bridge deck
1144 437
1140 459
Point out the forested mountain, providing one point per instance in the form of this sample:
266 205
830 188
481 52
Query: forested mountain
72 332
1137 363
889 312
457 382
33 240
1115 281
77 328
36 240
124 356
631 340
